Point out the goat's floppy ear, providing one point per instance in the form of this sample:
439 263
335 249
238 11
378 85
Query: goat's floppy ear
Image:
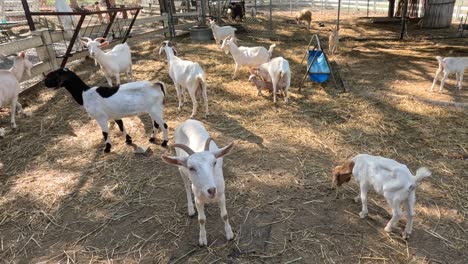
342 173
178 161
174 50
223 151
104 44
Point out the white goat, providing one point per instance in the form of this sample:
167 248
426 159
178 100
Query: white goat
333 40
185 75
68 22
246 56
391 179
113 62
10 86
220 33
449 65
200 163
113 103
278 73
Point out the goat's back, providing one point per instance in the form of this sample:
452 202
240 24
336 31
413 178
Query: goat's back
130 99
193 134
381 173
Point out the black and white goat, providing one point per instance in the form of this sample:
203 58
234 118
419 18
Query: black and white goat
113 103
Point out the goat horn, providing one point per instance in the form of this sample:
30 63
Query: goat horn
184 148
207 144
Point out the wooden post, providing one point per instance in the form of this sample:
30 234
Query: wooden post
403 18
338 16
46 52
27 13
391 8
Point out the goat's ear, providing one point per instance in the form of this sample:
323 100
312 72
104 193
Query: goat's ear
22 54
179 161
223 151
342 173
85 43
104 44
175 51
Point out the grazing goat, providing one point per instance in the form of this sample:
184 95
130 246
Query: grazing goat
113 62
278 73
246 56
68 22
200 163
220 33
391 179
10 86
304 15
333 40
113 103
185 75
263 85
449 65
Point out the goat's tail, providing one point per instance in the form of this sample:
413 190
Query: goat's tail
201 85
422 173
163 89
272 46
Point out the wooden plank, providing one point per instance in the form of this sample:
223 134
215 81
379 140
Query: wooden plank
16 46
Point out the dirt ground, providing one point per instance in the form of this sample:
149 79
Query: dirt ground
63 200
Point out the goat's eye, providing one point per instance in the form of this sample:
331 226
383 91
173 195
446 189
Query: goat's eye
192 169
214 163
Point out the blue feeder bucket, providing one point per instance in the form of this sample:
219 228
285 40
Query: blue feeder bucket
319 72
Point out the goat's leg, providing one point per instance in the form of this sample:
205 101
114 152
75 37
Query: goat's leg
396 214
105 133
20 109
409 215
155 131
194 102
224 216
236 69
439 70
157 117
109 80
13 111
461 81
130 73
274 83
117 79
188 191
128 138
364 211
457 79
285 89
202 241
443 81
179 98
205 99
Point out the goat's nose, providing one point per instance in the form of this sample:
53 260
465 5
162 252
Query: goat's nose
211 191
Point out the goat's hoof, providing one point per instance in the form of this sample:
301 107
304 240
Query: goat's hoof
191 212
164 144
356 199
405 235
388 229
202 241
107 148
27 113
229 235
192 117
362 215
128 140
152 140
